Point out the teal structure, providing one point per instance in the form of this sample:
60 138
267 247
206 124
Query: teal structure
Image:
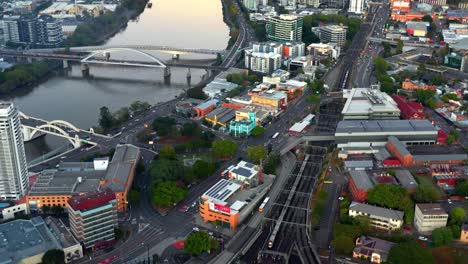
243 127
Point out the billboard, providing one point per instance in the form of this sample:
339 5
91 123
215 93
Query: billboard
220 208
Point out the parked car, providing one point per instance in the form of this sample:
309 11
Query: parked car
423 238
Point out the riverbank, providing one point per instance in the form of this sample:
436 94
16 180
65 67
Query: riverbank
230 11
24 77
98 30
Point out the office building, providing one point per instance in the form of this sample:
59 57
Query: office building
26 241
368 104
284 28
44 31
13 166
293 49
56 186
428 217
251 5
313 3
379 217
417 29
93 217
324 50
262 62
332 34
356 6
373 249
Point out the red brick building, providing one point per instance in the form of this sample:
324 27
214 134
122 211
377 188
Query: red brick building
409 110
359 185
205 107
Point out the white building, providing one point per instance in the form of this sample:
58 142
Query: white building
251 5
284 28
428 217
379 217
262 62
356 6
370 104
332 34
244 173
10 212
324 50
13 166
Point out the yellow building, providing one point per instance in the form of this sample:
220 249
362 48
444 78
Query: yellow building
270 98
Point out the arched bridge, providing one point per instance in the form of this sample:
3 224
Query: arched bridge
166 49
34 127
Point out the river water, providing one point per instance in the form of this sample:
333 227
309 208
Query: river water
70 97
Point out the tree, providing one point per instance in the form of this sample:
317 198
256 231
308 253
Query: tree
442 236
425 194
45 209
166 170
410 252
424 95
462 188
53 256
106 120
272 162
139 106
421 70
196 93
258 131
122 115
167 193
191 129
224 148
134 196
57 209
167 152
202 169
197 242
399 48
164 125
381 65
256 153
392 196
457 216
343 244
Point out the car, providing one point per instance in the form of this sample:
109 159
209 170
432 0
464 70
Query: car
194 204
449 201
423 238
196 229
210 233
341 198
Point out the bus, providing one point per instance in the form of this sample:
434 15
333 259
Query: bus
275 135
260 209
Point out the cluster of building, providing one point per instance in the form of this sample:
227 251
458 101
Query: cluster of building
92 193
232 199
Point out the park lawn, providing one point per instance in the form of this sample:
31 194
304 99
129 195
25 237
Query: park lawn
205 156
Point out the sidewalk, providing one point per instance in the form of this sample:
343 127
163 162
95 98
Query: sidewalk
159 248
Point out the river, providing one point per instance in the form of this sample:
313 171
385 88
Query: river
178 23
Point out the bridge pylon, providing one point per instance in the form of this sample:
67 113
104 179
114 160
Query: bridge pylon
85 69
167 75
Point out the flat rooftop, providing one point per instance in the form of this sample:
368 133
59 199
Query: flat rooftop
222 114
376 126
221 191
377 211
21 239
61 232
406 179
431 209
368 101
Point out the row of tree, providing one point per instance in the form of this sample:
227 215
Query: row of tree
109 120
22 75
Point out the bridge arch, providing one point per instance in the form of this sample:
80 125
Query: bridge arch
64 123
111 50
23 115
75 141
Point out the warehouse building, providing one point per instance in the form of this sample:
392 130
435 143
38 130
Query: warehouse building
369 104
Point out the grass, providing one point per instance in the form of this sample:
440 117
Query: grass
205 156
427 180
319 207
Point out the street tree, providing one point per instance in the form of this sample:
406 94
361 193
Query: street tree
106 120
53 256
197 243
202 169
442 236
167 193
258 131
164 125
166 170
224 148
57 210
457 216
256 153
410 252
343 244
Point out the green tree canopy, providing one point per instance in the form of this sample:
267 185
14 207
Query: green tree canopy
166 170
167 193
424 95
53 256
410 252
343 244
164 125
392 196
224 148
139 107
381 65
256 153
258 131
462 188
442 236
457 216
425 194
191 129
197 242
202 169
167 152
106 120
272 162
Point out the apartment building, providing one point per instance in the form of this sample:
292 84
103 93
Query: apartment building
429 216
379 217
284 28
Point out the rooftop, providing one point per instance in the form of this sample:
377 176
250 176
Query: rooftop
376 211
61 232
21 239
431 209
401 148
92 200
244 169
272 94
368 101
207 104
406 179
221 191
356 126
358 163
367 245
361 180
222 114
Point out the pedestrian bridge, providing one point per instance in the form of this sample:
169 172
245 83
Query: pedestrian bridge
34 127
165 49
301 139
